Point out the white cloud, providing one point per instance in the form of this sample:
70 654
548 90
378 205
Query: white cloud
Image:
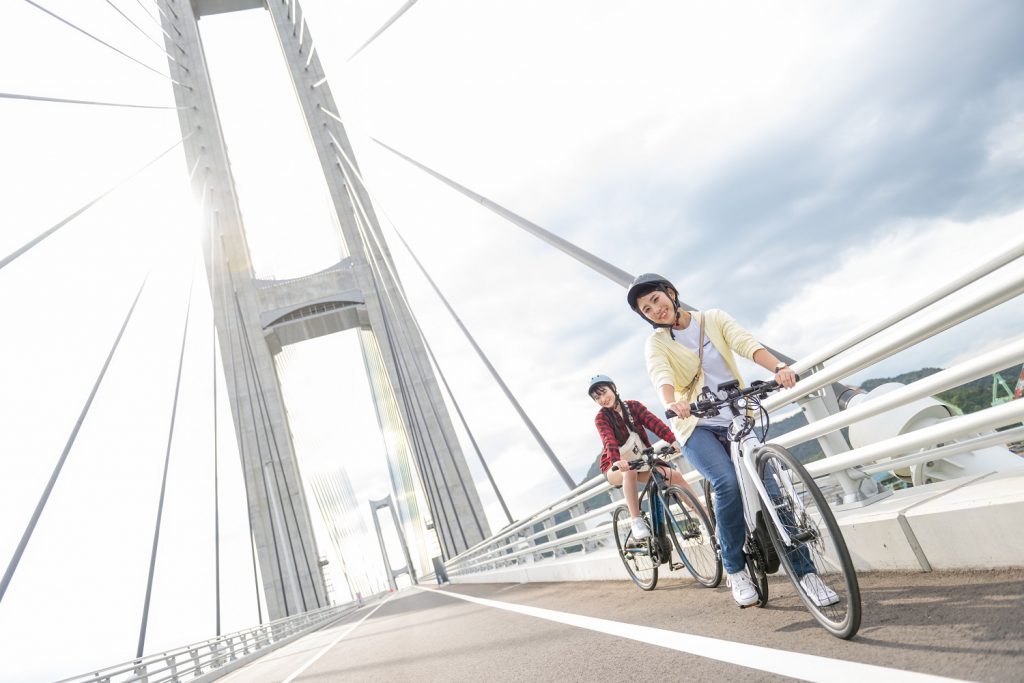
1006 143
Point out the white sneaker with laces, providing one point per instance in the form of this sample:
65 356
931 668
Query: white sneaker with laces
820 594
743 591
640 530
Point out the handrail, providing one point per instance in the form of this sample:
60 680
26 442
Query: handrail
501 552
214 653
898 340
857 336
989 418
545 512
993 439
966 371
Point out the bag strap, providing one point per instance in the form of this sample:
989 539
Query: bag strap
626 411
700 359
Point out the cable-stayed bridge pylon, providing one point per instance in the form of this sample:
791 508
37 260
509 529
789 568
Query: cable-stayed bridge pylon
256 318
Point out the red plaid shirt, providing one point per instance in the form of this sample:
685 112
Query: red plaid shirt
641 416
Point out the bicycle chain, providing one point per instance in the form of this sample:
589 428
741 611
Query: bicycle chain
757 553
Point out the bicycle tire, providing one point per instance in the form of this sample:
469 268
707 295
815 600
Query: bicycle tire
809 521
709 502
637 559
692 535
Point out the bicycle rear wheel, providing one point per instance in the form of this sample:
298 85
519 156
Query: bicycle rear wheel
809 522
693 536
635 555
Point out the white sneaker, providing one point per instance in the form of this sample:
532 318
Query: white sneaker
743 591
640 530
820 594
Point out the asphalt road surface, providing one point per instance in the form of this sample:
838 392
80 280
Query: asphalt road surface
957 625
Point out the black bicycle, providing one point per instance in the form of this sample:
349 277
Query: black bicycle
676 520
788 521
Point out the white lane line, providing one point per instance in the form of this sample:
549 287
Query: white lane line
783 662
335 641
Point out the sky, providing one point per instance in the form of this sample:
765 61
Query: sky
807 167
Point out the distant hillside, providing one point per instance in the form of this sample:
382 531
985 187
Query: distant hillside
969 398
905 378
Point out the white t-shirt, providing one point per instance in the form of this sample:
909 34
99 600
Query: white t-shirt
715 370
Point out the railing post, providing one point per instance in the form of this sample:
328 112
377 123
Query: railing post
548 536
589 544
194 654
172 665
141 672
819 405
858 488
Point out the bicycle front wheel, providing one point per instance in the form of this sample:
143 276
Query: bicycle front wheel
818 547
635 555
693 536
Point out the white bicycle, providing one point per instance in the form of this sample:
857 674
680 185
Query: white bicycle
788 521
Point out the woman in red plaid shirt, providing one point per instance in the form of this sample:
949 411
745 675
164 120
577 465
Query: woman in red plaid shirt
619 422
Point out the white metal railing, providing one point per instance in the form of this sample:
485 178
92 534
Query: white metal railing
202 659
521 544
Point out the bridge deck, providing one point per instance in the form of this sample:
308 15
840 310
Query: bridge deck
963 625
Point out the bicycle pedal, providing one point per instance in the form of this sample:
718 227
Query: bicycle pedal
676 566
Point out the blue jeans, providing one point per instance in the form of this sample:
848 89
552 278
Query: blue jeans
706 451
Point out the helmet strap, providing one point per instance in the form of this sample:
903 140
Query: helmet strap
675 305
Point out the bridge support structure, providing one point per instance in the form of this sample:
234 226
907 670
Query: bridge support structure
408 569
256 318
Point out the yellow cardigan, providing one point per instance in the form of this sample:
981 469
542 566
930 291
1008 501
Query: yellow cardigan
669 362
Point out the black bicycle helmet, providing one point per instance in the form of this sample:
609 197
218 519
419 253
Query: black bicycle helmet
647 283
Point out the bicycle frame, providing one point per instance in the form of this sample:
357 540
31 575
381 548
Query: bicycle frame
746 475
653 492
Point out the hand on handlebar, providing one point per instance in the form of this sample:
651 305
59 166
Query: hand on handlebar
621 466
680 408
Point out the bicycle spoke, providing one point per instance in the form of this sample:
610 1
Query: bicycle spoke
693 536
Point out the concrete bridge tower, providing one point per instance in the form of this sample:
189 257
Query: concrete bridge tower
256 318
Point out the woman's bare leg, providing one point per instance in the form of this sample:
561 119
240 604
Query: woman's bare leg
628 481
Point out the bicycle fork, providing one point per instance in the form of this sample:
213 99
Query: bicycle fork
767 505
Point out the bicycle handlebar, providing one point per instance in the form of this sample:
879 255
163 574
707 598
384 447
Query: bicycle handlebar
648 457
709 402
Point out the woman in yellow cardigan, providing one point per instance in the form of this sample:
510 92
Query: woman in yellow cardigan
686 352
